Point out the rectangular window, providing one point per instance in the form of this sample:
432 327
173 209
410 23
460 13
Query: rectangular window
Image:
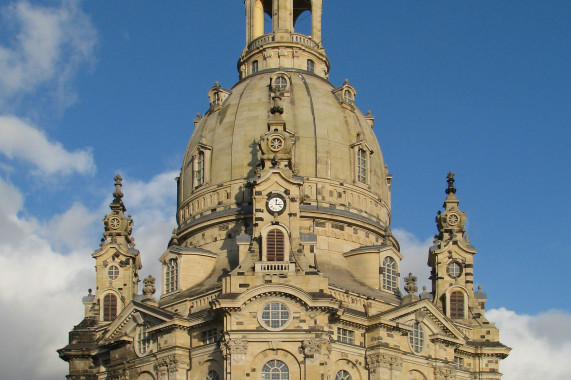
362 166
345 336
458 362
199 170
209 336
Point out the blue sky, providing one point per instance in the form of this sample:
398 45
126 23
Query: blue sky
88 89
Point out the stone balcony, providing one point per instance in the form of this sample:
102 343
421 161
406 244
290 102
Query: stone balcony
274 267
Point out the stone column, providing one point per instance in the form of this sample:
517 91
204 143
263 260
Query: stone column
172 367
315 351
396 367
234 352
316 7
384 367
162 369
379 367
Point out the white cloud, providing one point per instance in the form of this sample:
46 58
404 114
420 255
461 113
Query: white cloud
42 287
415 257
541 344
46 46
41 292
21 140
154 206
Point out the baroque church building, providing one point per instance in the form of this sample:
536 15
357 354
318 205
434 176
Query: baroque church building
283 265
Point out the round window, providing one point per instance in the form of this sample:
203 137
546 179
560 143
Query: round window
280 83
454 269
275 315
113 272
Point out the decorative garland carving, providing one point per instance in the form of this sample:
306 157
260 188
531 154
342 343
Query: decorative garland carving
172 363
442 373
382 363
234 348
118 374
316 346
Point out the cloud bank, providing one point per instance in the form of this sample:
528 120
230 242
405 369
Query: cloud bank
43 285
541 344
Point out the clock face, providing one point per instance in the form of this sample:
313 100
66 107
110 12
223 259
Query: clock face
276 203
453 219
114 223
276 143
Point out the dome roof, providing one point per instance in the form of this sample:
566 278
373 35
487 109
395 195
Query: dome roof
328 133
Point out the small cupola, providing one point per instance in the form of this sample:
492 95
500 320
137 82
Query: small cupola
283 46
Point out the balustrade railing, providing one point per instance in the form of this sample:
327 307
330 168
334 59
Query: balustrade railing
275 267
301 39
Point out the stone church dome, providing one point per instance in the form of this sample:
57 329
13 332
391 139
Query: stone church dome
283 264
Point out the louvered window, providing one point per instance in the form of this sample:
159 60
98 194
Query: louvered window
457 305
275 245
109 307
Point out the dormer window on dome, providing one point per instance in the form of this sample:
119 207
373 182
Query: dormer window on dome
361 156
216 96
197 169
346 95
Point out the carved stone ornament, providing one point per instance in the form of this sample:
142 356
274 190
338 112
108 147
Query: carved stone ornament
381 364
172 363
236 348
316 346
410 286
118 374
149 289
441 373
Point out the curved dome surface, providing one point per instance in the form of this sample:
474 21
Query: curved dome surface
328 132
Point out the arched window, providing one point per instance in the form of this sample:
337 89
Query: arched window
275 370
416 337
310 66
362 166
390 274
275 245
343 375
109 307
212 375
457 305
171 276
254 67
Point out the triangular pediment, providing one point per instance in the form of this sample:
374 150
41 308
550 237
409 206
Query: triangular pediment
440 326
135 314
